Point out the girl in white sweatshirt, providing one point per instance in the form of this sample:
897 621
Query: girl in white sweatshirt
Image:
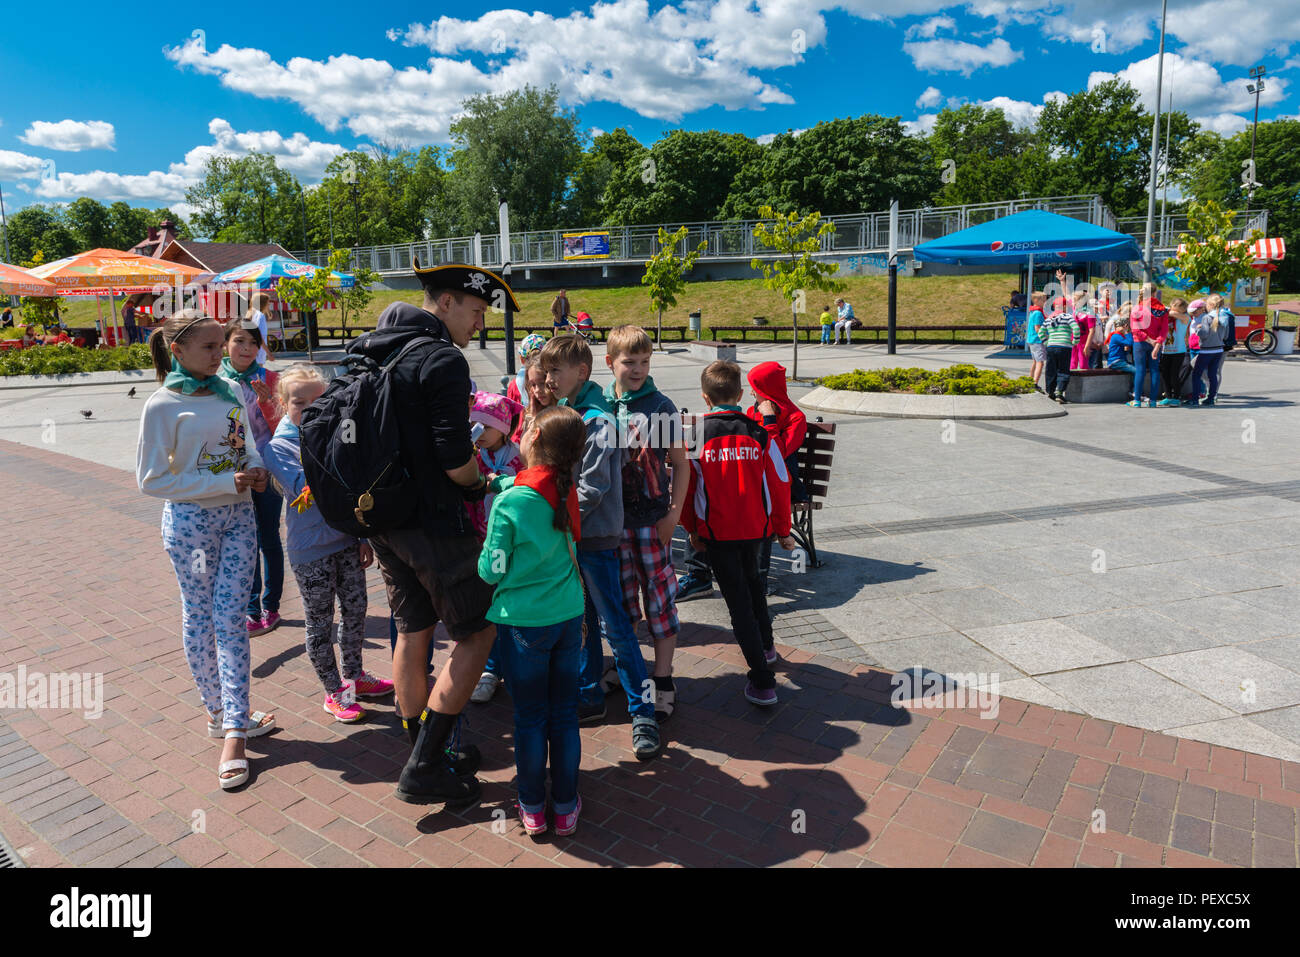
196 452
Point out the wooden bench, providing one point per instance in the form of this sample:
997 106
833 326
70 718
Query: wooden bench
712 351
815 457
879 333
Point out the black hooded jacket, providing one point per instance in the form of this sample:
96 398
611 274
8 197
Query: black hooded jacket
432 388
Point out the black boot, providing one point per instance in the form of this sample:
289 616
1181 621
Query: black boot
427 777
465 761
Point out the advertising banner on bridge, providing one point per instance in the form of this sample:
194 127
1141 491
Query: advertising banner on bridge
586 245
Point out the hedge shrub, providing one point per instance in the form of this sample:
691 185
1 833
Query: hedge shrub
61 360
961 379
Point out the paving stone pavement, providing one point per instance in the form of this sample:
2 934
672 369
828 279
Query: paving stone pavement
974 557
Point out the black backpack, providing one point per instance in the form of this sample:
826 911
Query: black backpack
352 449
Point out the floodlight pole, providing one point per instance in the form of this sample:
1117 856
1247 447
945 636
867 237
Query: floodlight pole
1147 270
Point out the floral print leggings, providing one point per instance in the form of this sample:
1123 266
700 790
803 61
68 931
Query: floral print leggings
212 551
341 575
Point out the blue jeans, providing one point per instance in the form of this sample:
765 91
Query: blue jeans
602 574
1145 368
267 506
1207 365
544 666
826 334
1122 366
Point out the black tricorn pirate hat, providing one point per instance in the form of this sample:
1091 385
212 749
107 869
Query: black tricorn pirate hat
475 280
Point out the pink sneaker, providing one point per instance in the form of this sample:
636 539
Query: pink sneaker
256 626
533 823
271 621
368 686
566 824
348 714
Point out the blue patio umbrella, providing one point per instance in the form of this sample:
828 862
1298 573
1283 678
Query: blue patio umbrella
1044 236
1034 235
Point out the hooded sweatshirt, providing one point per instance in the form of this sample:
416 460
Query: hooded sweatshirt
309 537
648 425
767 379
600 474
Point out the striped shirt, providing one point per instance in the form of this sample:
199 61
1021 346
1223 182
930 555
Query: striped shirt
1060 329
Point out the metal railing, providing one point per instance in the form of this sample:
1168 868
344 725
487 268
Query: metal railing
1168 228
734 239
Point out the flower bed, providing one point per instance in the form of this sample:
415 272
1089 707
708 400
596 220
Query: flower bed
960 379
62 360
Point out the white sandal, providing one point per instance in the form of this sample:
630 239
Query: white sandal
234 764
255 730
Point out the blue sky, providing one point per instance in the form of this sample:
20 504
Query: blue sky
129 108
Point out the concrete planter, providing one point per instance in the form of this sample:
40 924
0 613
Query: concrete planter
904 405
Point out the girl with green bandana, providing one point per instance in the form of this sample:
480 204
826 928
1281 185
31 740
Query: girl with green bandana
194 453
244 343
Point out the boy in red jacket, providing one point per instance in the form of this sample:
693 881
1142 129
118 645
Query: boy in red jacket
739 494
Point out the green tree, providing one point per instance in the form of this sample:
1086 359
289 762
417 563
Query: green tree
40 310
686 177
987 154
839 166
90 222
246 199
519 147
1211 258
664 274
606 173
795 272
27 227
127 225
308 294
353 302
1218 176
1100 142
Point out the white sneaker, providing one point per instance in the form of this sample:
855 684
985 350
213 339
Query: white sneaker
485 689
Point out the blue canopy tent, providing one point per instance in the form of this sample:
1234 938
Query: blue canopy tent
1033 234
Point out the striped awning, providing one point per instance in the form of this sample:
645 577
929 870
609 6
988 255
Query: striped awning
1264 250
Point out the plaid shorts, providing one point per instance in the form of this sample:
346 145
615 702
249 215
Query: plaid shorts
646 566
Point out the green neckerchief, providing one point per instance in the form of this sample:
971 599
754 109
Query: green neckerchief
254 371
589 397
189 383
620 403
726 408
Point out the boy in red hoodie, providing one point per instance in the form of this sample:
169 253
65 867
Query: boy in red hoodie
739 494
767 383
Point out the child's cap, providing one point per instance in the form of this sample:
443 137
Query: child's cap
495 411
1196 304
530 345
1060 302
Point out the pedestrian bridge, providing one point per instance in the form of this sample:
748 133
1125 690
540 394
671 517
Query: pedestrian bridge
733 241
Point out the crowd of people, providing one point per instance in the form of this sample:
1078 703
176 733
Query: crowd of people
1174 354
542 522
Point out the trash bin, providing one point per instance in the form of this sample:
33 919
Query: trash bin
695 323
1285 341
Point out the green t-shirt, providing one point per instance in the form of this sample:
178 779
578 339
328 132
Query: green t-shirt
827 319
528 561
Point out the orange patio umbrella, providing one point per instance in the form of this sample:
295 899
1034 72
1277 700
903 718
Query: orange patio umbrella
19 282
111 272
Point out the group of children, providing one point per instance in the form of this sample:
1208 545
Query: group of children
588 486
1175 354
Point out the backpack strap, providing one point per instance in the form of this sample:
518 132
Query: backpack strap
417 341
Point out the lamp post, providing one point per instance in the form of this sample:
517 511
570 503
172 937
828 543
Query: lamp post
1256 86
4 222
356 217
1155 144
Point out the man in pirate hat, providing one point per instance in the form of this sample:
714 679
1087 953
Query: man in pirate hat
431 569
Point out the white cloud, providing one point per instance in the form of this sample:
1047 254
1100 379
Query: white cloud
923 125
1021 113
300 155
928 29
662 65
765 138
17 165
1198 90
930 97
70 135
958 55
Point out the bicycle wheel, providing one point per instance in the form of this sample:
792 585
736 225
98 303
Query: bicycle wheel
299 341
1261 342
273 344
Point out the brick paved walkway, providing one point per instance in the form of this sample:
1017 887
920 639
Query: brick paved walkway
834 776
